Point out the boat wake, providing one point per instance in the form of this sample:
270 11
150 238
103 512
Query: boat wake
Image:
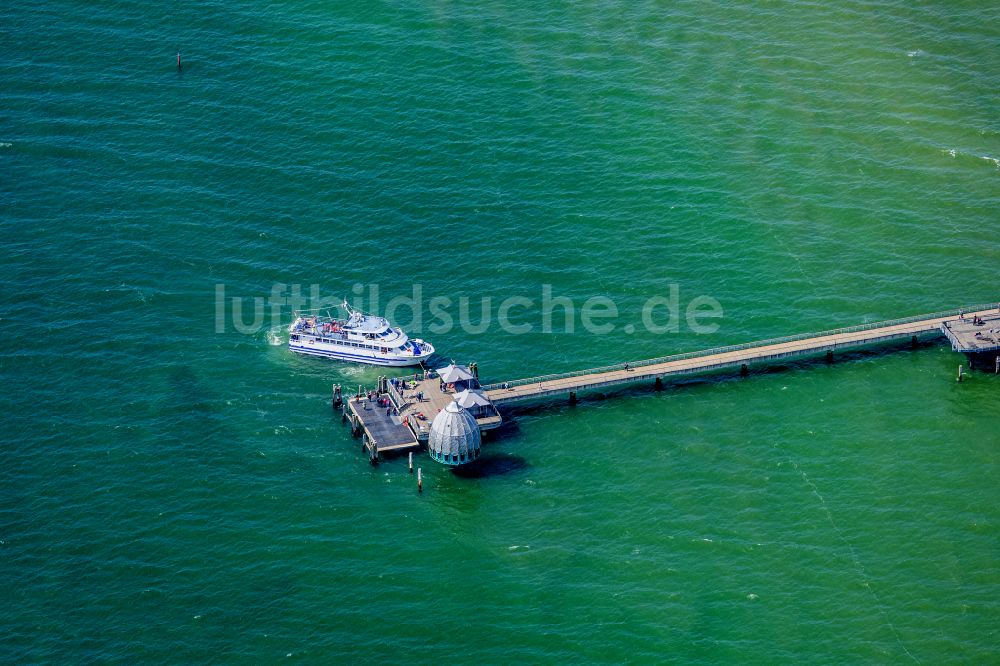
955 153
274 336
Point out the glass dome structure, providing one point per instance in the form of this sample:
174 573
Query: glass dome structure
454 437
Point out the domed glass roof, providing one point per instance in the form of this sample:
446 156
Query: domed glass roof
454 438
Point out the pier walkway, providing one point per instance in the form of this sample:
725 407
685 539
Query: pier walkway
741 356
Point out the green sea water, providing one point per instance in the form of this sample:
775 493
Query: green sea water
175 490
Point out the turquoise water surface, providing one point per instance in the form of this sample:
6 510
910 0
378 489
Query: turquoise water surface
177 489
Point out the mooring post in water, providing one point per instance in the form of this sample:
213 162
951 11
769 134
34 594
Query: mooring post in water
411 462
420 481
959 372
178 60
996 370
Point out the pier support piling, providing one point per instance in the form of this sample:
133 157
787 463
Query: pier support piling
411 462
744 370
572 397
829 356
996 370
658 384
913 342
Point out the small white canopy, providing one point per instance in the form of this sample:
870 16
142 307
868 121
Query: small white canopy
454 373
470 398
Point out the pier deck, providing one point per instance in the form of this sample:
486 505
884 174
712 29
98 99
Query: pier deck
968 336
733 356
434 400
381 432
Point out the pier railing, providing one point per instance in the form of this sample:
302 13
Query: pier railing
397 400
733 348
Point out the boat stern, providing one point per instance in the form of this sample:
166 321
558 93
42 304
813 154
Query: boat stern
422 349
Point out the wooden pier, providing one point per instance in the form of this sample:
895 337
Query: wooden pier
423 398
397 414
741 356
975 334
381 429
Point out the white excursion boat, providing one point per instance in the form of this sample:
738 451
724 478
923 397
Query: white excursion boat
361 338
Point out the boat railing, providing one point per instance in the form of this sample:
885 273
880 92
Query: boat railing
322 320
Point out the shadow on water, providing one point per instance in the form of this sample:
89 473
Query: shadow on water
490 466
506 432
188 397
192 423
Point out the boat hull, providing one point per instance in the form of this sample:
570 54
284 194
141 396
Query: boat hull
355 357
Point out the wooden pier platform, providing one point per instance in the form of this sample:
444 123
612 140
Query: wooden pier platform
974 333
422 399
380 432
404 421
741 356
